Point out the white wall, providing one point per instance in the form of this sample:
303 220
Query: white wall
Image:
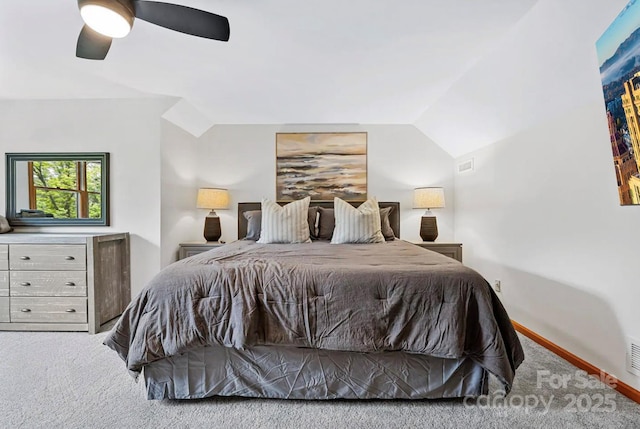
541 212
242 159
130 131
179 220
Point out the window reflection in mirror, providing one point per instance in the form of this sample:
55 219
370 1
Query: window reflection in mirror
51 189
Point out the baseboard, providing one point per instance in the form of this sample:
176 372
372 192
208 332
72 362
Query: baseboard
621 387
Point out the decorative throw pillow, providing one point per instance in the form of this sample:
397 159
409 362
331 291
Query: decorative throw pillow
4 225
326 223
361 225
254 223
287 224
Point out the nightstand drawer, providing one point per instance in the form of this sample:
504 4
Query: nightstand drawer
195 248
47 310
48 283
47 257
452 250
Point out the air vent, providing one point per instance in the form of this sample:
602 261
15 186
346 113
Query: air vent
465 166
633 355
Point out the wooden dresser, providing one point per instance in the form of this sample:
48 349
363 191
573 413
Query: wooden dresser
63 282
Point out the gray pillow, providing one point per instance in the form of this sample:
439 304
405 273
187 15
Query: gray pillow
254 223
387 231
327 223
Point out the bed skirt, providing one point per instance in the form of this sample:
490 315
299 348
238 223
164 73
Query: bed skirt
300 373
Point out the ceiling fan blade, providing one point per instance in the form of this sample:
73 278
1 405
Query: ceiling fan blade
183 19
92 45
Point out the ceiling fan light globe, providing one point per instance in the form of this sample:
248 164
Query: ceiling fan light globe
106 21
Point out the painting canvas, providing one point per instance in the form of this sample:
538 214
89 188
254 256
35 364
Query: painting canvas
322 166
619 59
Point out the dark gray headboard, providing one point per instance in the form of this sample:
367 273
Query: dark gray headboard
394 216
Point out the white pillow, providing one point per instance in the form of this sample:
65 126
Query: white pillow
361 225
287 224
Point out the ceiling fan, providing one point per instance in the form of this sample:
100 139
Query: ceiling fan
109 19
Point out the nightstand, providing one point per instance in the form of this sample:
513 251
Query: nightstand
452 250
194 247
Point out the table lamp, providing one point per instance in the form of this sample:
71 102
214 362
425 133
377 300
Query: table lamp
428 198
212 198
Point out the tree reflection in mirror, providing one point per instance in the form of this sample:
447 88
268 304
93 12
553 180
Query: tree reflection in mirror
51 189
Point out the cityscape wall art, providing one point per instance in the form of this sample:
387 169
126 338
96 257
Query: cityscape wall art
619 59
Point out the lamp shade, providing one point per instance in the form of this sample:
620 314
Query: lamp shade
212 198
428 198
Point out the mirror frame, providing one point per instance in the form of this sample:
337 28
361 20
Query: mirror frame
11 209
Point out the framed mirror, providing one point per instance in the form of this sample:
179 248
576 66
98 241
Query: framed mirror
57 189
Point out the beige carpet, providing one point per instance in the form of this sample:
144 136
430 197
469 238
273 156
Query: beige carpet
70 380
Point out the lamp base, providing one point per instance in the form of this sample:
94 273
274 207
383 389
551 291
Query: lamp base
212 229
428 228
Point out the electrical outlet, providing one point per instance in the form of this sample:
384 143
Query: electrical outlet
497 286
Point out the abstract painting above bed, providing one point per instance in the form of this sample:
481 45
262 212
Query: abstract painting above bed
322 166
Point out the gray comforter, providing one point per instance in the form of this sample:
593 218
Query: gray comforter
352 297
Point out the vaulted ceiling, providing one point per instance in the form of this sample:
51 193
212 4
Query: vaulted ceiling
287 61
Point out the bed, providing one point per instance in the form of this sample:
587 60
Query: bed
317 321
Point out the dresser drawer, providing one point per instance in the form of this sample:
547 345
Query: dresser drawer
47 257
4 283
4 309
48 283
46 310
4 257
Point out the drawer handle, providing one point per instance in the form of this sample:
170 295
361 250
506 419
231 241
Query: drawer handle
70 310
25 310
25 258
25 284
69 284
69 258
